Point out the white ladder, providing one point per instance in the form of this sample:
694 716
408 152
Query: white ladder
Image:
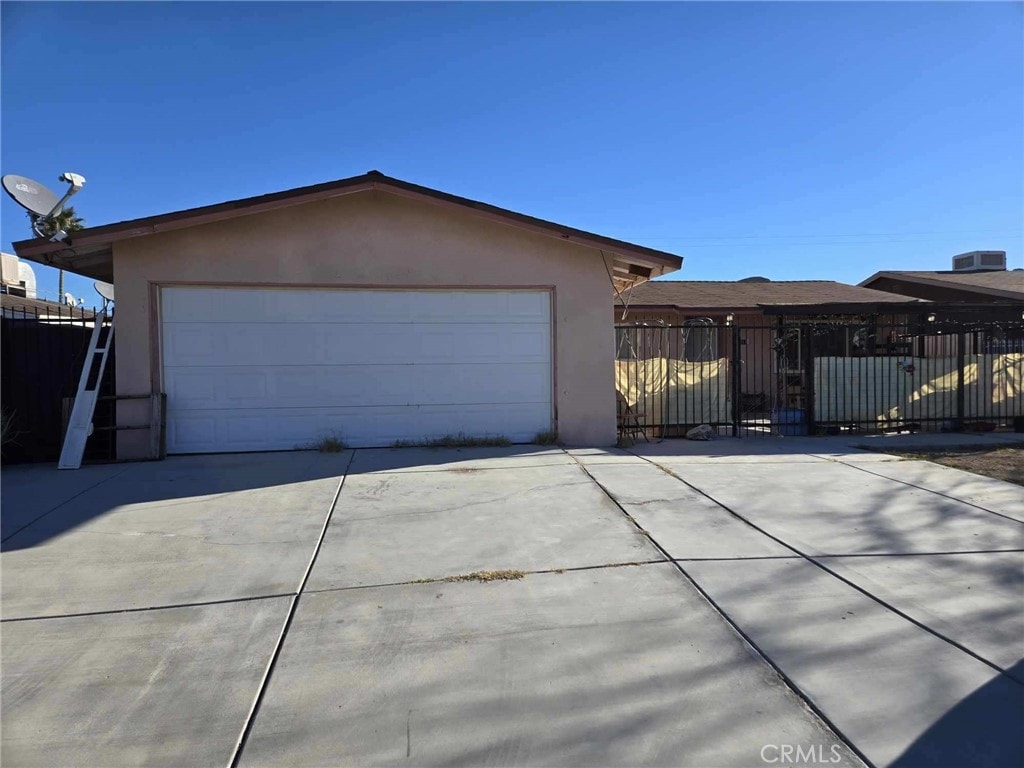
80 424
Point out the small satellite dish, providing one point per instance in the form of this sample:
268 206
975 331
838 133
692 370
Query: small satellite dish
106 290
70 300
34 197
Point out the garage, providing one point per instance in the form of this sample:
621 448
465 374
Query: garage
249 369
368 309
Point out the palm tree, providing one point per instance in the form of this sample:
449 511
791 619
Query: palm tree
65 220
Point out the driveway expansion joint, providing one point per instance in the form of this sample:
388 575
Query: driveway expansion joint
146 609
250 719
922 488
812 559
478 576
744 637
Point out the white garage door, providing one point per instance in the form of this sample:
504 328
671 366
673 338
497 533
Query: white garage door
258 369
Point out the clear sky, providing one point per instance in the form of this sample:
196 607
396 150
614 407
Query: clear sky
796 141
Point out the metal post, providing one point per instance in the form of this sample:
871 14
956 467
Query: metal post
809 379
665 354
736 380
960 343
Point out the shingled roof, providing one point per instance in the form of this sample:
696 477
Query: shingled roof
1000 283
734 295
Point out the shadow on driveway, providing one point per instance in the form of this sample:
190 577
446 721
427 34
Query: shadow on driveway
952 739
41 502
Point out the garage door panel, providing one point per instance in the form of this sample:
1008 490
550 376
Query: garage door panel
216 305
286 429
319 386
267 369
481 345
201 344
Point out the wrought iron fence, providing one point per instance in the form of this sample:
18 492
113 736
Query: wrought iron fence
821 377
42 349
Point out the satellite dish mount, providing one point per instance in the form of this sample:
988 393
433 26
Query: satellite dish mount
41 203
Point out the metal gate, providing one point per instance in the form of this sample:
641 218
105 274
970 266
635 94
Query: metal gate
819 376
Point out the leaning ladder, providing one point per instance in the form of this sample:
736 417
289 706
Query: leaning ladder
80 423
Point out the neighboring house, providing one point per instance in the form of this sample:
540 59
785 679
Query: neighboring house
15 307
699 321
751 304
978 289
368 308
791 357
745 302
16 277
975 281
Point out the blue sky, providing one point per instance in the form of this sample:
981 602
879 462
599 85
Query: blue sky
796 141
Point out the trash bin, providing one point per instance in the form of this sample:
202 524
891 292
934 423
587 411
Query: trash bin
791 422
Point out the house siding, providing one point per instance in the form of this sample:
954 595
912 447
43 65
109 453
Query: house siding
376 240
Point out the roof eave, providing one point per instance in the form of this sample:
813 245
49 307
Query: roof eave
948 284
847 308
632 263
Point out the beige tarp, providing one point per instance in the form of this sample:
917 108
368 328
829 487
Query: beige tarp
668 391
870 389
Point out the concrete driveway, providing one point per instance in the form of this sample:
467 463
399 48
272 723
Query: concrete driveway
734 603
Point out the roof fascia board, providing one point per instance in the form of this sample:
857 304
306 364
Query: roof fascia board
172 221
690 308
634 254
109 233
936 283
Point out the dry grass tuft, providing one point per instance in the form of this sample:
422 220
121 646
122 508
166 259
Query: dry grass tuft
1002 462
546 438
330 444
461 440
506 575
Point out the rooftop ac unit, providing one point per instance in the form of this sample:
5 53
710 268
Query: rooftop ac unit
9 269
974 260
27 279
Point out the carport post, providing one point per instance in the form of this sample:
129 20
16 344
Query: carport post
736 379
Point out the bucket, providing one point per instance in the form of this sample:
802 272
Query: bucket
790 421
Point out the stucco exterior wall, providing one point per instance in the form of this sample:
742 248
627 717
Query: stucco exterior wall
375 239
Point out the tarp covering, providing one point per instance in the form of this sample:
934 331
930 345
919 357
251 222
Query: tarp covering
665 391
878 389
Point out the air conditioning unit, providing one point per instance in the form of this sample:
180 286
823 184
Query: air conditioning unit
974 260
9 269
16 277
27 279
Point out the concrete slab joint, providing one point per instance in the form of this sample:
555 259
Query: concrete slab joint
676 604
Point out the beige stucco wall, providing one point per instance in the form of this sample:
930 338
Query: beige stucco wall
377 239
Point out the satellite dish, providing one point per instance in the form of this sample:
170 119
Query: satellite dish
106 290
34 197
70 300
39 201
